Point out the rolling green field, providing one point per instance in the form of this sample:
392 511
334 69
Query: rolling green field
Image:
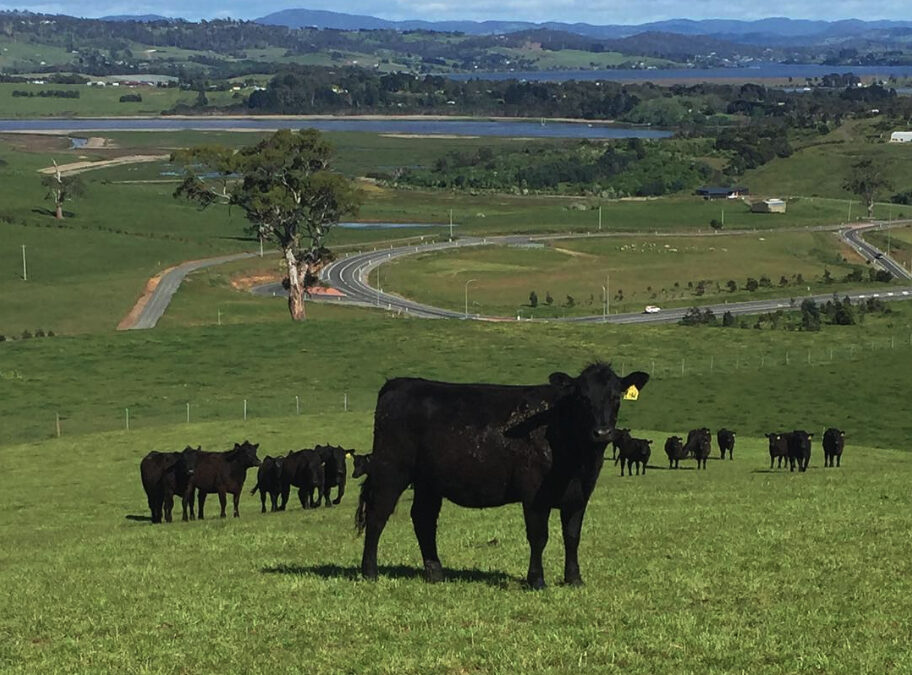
100 101
643 270
735 569
712 571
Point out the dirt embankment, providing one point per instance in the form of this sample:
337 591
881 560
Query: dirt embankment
79 167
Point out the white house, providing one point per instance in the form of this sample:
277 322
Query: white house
901 137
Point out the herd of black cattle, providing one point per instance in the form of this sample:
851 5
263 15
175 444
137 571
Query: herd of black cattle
792 446
316 471
476 445
313 471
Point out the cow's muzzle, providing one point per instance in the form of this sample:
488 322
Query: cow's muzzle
605 434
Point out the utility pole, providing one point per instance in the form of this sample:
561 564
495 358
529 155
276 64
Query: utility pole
451 224
24 270
600 218
607 293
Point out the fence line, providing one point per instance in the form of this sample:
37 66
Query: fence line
61 423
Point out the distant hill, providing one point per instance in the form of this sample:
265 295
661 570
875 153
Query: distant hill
777 30
139 18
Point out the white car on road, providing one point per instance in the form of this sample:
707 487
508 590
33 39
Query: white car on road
652 309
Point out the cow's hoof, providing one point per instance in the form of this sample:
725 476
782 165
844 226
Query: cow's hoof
433 572
575 581
536 584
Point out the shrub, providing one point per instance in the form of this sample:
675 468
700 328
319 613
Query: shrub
533 299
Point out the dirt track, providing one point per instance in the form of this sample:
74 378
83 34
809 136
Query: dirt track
79 167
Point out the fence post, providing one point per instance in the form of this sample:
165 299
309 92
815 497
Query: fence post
58 424
127 417
188 412
297 405
345 401
245 409
653 366
712 361
809 357
786 358
682 367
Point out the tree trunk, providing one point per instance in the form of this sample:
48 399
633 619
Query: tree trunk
296 276
59 213
870 209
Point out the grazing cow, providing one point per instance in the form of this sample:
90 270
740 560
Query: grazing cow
674 448
799 449
483 445
833 443
334 471
361 465
222 472
269 481
726 440
163 475
632 451
304 470
778 447
698 445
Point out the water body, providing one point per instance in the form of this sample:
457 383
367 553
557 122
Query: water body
454 127
756 72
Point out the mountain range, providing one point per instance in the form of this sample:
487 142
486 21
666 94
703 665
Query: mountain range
771 31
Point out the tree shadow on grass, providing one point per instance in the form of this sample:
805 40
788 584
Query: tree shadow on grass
353 573
138 519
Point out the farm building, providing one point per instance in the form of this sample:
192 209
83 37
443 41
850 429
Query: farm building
769 206
901 137
709 192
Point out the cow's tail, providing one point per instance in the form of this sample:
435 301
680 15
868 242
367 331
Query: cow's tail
361 511
255 488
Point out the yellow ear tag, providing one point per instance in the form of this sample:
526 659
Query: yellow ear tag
632 393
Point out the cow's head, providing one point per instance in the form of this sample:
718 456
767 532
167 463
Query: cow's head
189 457
361 464
774 440
245 453
596 395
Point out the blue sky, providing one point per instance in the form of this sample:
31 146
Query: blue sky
612 11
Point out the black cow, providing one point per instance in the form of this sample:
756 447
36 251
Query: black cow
833 443
361 465
165 474
726 441
222 472
482 445
269 481
778 447
674 448
304 470
698 445
632 451
334 471
799 449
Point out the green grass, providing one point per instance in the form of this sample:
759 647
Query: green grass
89 380
646 270
715 571
99 101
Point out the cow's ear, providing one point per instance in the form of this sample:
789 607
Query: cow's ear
637 379
560 380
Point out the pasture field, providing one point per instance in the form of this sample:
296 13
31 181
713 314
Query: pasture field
643 270
737 568
750 380
97 101
819 170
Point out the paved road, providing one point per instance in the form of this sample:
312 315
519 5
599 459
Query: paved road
351 276
169 283
853 236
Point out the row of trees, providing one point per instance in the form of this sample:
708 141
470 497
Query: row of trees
810 316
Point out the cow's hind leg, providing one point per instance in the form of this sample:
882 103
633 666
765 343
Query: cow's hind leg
201 503
838 460
263 501
572 524
274 497
222 502
169 506
537 534
425 509
341 491
237 501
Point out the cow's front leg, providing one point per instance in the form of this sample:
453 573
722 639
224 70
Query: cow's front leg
201 499
572 524
222 501
537 534
237 500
